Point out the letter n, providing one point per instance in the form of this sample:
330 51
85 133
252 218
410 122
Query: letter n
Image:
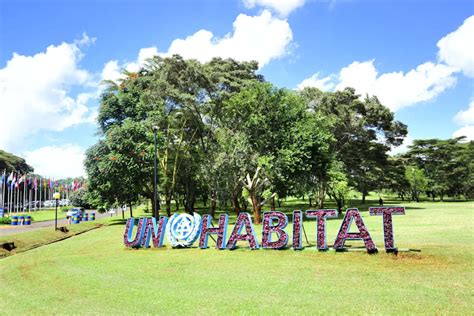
154 232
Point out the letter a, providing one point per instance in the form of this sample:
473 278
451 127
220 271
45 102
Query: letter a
243 220
343 235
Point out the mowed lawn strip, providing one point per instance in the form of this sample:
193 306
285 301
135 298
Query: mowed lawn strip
39 237
95 273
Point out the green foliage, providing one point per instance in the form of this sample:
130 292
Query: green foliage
447 164
5 221
82 198
417 179
11 162
226 136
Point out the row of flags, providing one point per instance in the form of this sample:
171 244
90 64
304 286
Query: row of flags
16 180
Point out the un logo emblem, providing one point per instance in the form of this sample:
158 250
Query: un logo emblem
183 229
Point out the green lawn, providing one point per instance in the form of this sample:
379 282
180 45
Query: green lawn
95 273
43 215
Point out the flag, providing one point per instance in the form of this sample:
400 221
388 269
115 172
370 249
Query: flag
35 184
12 185
10 178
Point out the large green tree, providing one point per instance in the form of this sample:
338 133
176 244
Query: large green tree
364 131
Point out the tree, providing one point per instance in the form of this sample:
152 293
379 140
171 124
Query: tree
447 165
183 98
338 186
11 162
418 181
394 177
364 131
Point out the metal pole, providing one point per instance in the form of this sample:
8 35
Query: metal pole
56 216
156 213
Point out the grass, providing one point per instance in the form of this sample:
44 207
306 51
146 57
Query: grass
43 215
95 273
39 237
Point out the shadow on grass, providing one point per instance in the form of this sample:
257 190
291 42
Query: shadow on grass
118 222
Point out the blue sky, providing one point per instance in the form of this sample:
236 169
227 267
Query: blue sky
416 56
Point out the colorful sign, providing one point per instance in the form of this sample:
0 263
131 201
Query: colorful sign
182 230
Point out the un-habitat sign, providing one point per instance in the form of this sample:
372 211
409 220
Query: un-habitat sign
182 230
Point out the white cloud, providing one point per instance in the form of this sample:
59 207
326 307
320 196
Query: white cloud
397 89
324 84
423 83
111 71
465 117
403 148
467 131
57 161
457 48
283 7
35 93
261 38
394 89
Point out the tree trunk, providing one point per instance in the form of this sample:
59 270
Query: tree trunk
131 210
235 202
213 203
322 195
279 202
257 212
339 205
273 204
168 206
310 201
245 204
363 197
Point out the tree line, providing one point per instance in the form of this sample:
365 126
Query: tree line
227 136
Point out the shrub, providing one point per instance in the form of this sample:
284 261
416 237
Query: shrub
5 220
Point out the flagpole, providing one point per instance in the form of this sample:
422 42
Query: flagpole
24 193
17 197
4 181
36 191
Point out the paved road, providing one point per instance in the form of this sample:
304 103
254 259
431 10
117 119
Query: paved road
10 230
